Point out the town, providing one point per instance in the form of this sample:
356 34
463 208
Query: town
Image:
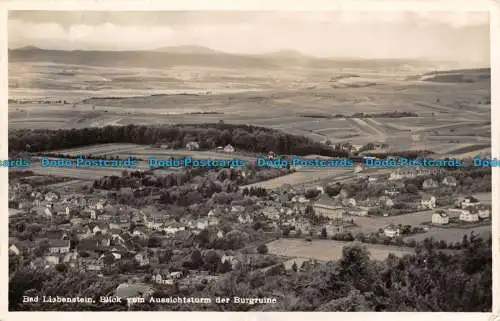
144 233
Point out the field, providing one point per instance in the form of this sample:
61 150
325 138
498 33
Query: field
327 250
47 95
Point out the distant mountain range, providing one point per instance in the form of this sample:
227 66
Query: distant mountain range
195 56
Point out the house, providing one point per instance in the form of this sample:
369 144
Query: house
392 231
59 246
140 231
299 199
303 226
51 259
15 250
412 172
192 146
215 212
456 212
440 218
469 202
202 224
428 201
334 228
245 218
483 213
449 181
469 217
51 197
327 207
142 259
231 260
430 184
386 201
101 227
71 258
229 149
175 275
159 279
350 202
271 213
358 211
237 209
172 229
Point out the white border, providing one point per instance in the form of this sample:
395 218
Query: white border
243 5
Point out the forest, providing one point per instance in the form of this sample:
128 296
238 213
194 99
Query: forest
209 136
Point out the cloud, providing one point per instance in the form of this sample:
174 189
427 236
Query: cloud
361 34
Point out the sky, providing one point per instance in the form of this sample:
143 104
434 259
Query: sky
454 36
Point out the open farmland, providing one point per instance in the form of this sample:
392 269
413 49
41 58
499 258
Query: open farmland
327 250
448 111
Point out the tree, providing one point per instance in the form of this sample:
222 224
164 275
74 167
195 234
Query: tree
212 261
196 259
262 249
61 267
324 234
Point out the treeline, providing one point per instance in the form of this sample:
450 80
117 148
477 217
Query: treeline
87 156
209 136
392 114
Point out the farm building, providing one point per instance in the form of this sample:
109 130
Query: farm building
440 218
428 201
325 206
469 217
192 146
392 231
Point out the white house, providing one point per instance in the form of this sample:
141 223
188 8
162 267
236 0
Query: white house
456 212
245 219
469 217
440 218
328 207
430 183
483 213
192 146
229 149
449 181
428 201
230 259
51 197
392 231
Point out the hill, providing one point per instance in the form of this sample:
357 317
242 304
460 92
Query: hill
193 56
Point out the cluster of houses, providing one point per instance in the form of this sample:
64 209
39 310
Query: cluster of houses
470 210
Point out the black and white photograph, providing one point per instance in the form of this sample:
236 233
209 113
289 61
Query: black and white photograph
328 161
